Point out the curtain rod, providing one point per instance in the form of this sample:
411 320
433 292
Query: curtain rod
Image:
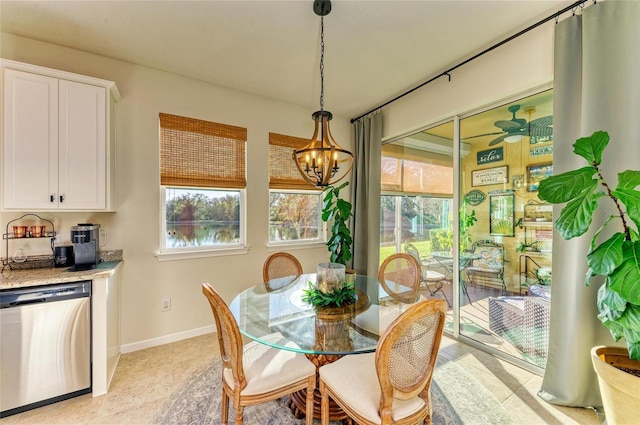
489 49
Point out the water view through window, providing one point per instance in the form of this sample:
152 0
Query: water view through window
294 216
200 217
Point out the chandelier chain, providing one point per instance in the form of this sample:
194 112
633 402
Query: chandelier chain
322 63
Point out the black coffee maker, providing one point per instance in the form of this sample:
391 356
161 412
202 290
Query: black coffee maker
86 245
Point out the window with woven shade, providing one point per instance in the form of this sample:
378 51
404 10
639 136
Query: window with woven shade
406 170
294 204
197 153
416 182
203 177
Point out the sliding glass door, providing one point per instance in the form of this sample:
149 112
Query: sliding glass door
497 274
422 221
505 250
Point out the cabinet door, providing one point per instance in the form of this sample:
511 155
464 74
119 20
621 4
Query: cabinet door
30 176
82 146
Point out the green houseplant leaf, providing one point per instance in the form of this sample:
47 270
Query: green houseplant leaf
617 258
577 215
605 258
591 148
337 209
566 186
625 279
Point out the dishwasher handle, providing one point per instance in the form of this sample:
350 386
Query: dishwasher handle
25 302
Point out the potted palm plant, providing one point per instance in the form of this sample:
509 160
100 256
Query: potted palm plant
617 259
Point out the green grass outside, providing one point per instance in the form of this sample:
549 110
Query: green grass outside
424 247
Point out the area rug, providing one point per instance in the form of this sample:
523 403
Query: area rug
456 398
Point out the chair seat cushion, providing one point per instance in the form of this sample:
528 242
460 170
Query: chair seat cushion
267 368
483 270
433 276
355 380
376 318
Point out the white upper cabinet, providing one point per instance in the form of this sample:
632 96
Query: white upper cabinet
58 151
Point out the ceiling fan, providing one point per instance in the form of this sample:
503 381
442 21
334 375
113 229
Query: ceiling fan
515 128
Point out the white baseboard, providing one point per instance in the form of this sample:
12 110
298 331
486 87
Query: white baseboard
166 339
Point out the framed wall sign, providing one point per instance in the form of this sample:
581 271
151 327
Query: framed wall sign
497 175
501 209
540 150
538 172
490 155
475 197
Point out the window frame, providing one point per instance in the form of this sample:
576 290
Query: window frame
168 254
321 240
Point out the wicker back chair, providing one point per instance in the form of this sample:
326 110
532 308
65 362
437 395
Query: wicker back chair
256 373
278 266
393 384
399 275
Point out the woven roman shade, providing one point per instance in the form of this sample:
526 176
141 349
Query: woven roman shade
197 153
407 170
283 173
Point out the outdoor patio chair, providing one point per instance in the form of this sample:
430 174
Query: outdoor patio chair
446 264
431 279
490 265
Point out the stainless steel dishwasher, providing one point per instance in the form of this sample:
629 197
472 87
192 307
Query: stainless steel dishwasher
45 345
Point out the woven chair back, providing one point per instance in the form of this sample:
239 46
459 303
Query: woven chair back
280 264
229 337
407 353
399 275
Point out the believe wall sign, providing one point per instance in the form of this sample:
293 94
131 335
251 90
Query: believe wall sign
490 155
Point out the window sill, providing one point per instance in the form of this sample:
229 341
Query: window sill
188 255
278 246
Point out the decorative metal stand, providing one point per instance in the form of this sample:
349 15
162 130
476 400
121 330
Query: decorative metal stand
6 262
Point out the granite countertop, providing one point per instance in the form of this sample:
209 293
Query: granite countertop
11 279
24 277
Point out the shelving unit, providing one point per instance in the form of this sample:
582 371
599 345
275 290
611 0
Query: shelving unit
538 226
528 267
7 236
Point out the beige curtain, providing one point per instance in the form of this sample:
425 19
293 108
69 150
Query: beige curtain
365 194
596 87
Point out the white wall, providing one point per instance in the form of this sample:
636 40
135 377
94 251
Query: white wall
135 226
516 67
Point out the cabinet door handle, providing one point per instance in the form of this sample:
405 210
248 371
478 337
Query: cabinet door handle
51 198
61 198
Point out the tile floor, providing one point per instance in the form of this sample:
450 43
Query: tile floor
146 378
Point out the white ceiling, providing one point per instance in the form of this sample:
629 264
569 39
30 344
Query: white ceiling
374 50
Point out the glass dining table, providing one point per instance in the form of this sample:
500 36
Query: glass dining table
274 314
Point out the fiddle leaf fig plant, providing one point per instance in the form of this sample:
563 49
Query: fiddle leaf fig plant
337 209
618 257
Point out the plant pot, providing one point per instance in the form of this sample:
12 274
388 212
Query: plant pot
350 276
620 390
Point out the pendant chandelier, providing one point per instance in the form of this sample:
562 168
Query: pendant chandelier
323 161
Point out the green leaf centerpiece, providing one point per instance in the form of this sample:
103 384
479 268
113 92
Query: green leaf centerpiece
337 297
